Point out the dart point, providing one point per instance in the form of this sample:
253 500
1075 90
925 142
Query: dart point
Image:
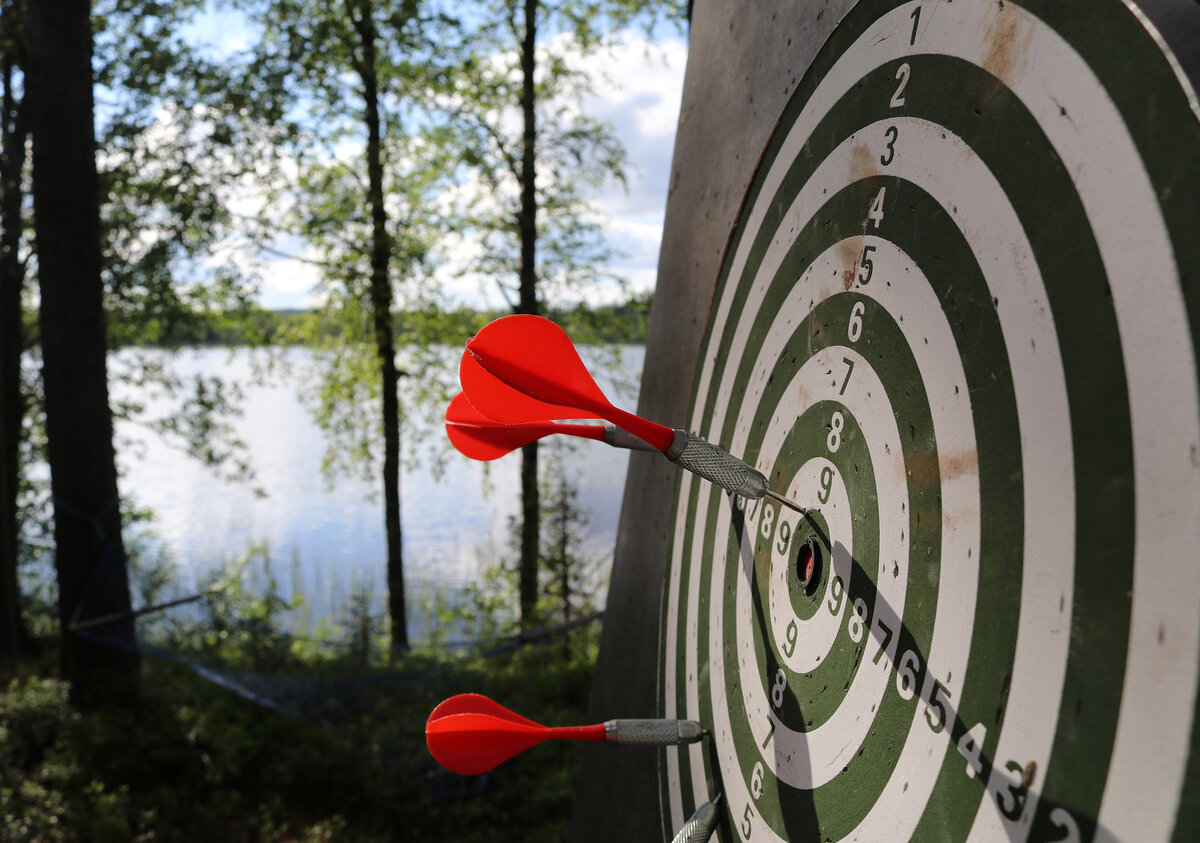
786 502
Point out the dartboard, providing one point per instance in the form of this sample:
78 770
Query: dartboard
956 325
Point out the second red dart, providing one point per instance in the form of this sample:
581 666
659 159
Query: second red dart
471 734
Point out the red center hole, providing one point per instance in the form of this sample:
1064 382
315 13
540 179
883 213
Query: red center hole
808 566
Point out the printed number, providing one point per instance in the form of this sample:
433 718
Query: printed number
858 620
778 688
756 780
836 592
792 632
970 746
875 214
916 19
906 675
854 331
1010 792
834 440
849 368
770 732
887 639
768 522
902 73
1065 822
865 267
826 484
939 701
785 536
747 820
891 134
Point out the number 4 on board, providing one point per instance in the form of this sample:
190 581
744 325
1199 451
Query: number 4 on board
875 214
970 745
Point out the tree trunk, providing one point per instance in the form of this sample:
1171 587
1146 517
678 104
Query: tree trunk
89 558
385 344
9 597
528 303
12 341
564 561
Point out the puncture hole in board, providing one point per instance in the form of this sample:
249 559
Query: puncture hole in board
808 565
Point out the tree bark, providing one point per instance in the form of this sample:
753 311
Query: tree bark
9 596
89 558
12 341
385 343
528 303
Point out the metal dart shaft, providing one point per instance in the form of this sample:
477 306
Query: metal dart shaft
619 438
721 467
700 825
652 732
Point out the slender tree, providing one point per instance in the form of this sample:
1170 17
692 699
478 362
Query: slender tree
12 339
9 594
89 558
354 69
364 60
528 302
535 222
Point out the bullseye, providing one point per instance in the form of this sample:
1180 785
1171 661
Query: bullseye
808 565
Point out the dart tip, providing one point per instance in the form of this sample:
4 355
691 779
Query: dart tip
786 502
717 800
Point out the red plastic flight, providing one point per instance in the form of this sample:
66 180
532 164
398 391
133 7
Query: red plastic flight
481 438
518 408
532 355
471 734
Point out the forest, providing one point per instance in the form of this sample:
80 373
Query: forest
397 149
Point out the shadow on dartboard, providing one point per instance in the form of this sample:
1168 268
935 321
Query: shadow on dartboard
1015 783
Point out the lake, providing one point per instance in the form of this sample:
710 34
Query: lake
327 541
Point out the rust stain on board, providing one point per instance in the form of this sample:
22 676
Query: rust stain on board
863 165
848 251
1009 44
862 162
925 470
957 463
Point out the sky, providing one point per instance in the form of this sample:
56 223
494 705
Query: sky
638 90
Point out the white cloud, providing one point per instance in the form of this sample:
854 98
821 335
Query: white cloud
638 92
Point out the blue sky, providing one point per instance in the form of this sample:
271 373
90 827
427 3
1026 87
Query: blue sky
637 90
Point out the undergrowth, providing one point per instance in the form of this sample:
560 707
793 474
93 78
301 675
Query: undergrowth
192 761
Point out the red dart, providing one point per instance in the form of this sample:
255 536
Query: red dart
471 734
481 438
532 355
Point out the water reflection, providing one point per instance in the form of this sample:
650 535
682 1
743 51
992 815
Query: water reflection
327 541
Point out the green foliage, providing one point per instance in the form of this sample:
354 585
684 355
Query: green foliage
573 153
425 324
169 165
567 576
627 323
191 761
